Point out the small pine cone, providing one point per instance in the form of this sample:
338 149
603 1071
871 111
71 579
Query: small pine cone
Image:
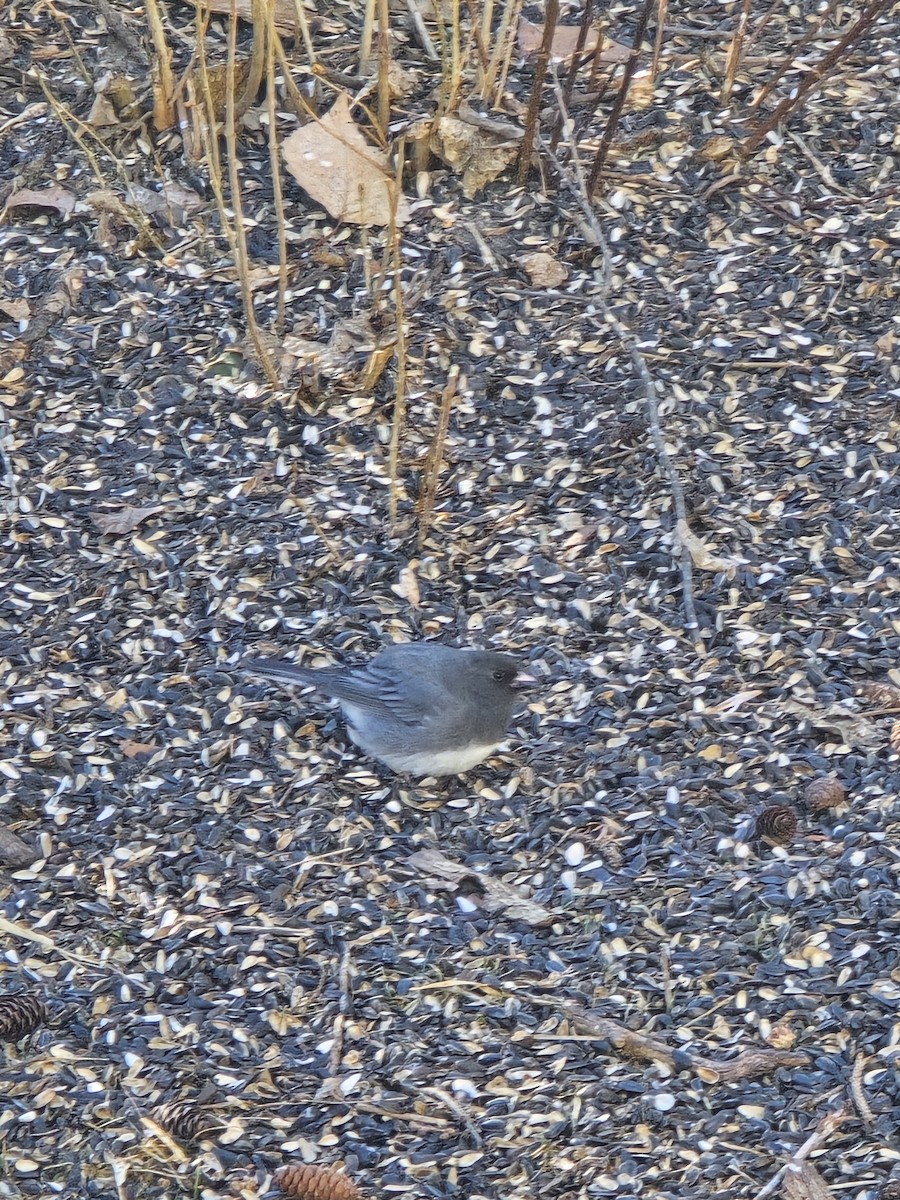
316 1183
823 793
184 1121
885 695
21 1014
777 824
890 1190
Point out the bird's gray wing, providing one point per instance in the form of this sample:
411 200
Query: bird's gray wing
381 689
376 687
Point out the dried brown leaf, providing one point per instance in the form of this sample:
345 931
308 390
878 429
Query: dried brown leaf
17 310
497 896
133 749
565 39
335 165
480 157
544 270
124 520
55 197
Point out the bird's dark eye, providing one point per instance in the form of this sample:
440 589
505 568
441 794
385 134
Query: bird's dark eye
499 675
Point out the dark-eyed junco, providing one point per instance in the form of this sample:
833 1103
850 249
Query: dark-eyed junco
419 707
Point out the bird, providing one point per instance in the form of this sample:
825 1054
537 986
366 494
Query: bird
421 708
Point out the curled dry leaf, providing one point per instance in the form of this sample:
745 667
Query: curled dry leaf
125 520
497 896
335 165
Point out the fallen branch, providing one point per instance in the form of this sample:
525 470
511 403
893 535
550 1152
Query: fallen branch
630 1043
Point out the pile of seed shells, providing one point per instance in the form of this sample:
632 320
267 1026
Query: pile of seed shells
223 956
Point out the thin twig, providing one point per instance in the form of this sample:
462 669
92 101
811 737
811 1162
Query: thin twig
418 23
645 1047
648 385
662 7
735 51
384 66
619 102
455 63
534 101
574 65
399 413
790 58
816 75
164 90
257 59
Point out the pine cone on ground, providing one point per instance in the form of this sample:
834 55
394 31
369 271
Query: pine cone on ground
21 1014
316 1183
183 1120
777 824
883 694
890 1190
823 793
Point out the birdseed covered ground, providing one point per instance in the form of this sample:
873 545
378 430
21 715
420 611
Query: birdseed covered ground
650 948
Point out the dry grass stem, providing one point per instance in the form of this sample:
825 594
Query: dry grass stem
578 185
434 462
239 238
399 413
303 23
164 84
494 80
662 9
366 37
384 66
273 42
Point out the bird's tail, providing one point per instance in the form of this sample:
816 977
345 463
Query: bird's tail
283 672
